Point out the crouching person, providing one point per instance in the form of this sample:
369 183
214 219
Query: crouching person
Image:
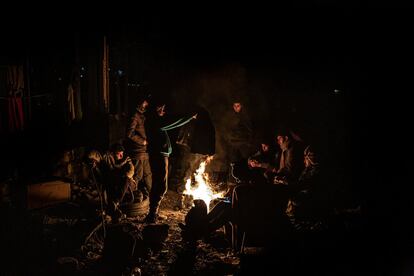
113 173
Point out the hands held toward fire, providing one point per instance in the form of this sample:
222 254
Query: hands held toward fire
123 162
253 163
280 180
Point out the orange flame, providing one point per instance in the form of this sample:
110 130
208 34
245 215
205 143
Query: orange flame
202 189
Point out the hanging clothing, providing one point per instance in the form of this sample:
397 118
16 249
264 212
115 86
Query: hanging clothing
15 113
73 99
15 86
71 103
15 79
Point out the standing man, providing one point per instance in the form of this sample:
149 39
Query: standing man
160 149
136 147
239 136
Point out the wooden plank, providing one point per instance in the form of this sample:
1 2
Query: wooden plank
47 193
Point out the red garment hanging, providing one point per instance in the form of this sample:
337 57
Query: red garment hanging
15 113
15 83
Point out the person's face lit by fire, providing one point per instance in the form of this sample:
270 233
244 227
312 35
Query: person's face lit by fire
265 147
310 158
143 106
307 162
282 141
119 155
237 107
161 110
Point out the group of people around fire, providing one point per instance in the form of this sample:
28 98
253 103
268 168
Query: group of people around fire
139 166
281 182
278 189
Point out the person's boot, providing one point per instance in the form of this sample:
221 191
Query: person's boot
151 217
152 214
181 204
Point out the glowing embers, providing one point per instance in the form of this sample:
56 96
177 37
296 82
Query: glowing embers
201 188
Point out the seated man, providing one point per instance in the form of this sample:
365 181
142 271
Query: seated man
273 210
290 164
265 160
308 203
115 173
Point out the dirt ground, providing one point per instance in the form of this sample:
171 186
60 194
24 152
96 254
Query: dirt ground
211 256
174 256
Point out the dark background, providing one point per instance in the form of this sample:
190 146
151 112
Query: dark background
281 60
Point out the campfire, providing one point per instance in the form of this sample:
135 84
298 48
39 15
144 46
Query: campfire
201 188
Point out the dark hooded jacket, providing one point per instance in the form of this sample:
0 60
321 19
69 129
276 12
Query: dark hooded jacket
136 136
199 135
